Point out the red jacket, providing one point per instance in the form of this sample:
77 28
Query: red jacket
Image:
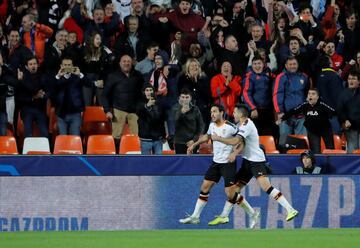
227 96
189 24
337 61
3 12
70 25
42 33
328 23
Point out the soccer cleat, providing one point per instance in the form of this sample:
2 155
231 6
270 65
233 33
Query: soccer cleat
254 219
190 220
292 214
219 220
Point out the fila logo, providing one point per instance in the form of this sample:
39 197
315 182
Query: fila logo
313 113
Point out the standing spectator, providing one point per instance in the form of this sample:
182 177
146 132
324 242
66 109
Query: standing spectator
257 96
308 23
151 122
330 22
183 19
31 96
289 91
96 24
329 84
198 83
34 36
69 102
188 122
6 79
75 50
257 39
329 50
54 51
351 33
353 64
300 49
317 115
147 65
349 112
16 53
138 10
122 90
226 88
230 52
132 41
97 64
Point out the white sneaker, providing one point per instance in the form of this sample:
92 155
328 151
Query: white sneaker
190 220
254 219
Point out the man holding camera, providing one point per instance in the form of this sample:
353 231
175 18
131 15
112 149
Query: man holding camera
189 124
68 97
151 123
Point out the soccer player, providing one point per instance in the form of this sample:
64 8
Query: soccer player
220 167
254 162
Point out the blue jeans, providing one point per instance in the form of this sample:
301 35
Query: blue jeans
335 125
151 147
352 140
69 124
3 123
291 126
29 115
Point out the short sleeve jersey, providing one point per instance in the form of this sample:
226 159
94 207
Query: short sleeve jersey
222 151
252 150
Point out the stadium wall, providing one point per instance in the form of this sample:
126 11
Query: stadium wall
155 165
58 203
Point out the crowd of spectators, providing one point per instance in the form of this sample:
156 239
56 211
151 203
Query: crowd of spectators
158 65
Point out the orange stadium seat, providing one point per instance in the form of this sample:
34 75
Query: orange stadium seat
68 144
300 136
94 113
296 151
269 143
100 144
168 152
130 144
8 145
356 151
205 148
333 151
95 122
337 143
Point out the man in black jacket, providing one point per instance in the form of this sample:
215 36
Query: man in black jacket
68 97
317 115
31 94
123 89
349 112
330 85
6 79
189 124
151 123
16 54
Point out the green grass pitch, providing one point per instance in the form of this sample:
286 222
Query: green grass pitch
277 238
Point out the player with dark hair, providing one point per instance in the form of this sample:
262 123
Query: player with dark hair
254 163
220 167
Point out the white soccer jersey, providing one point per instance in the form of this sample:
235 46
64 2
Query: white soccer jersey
222 151
252 150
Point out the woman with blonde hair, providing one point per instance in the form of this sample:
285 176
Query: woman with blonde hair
198 83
